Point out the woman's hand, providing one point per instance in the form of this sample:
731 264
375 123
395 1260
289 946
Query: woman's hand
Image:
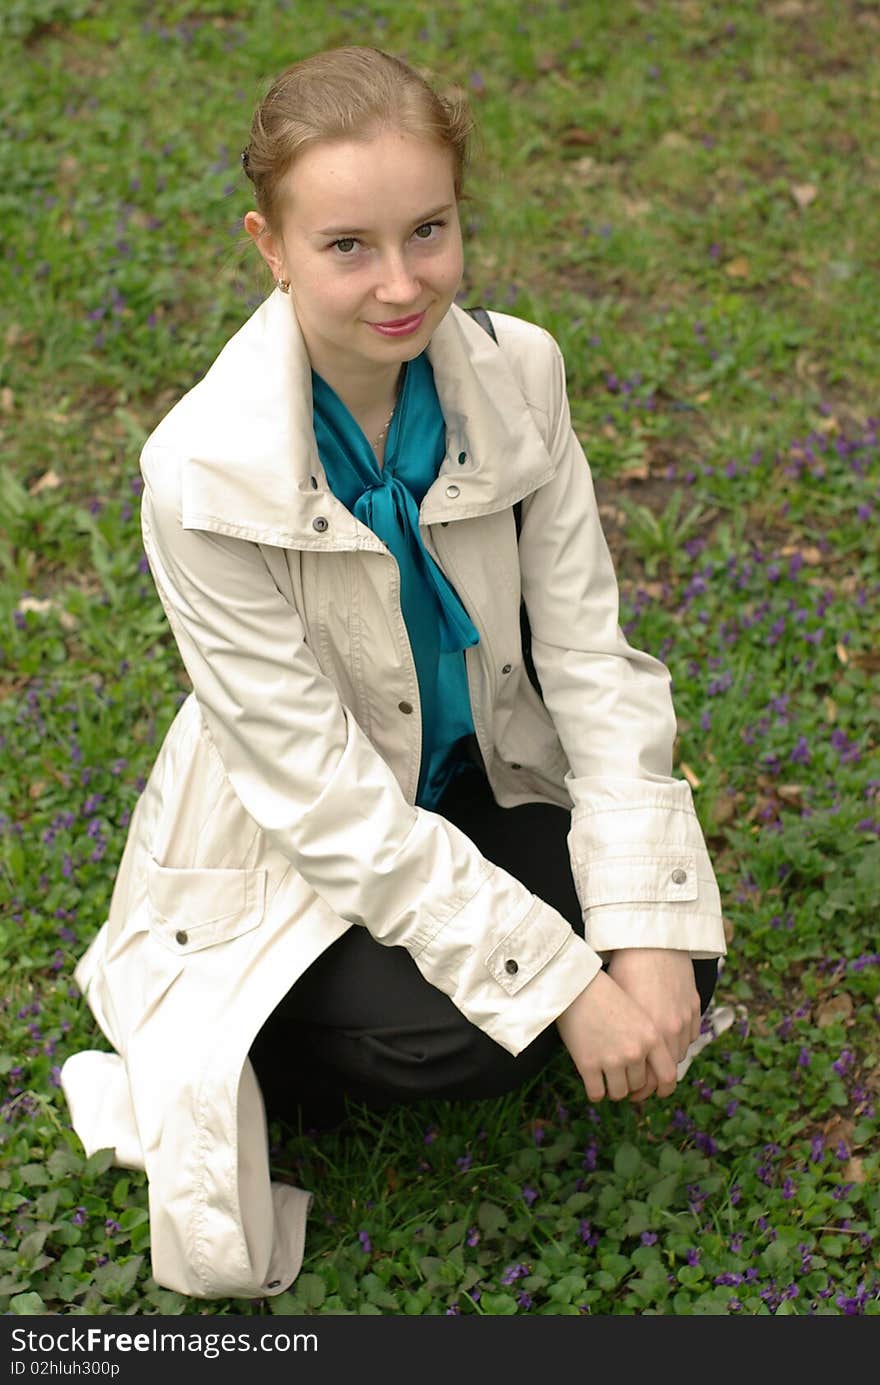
661 982
615 1045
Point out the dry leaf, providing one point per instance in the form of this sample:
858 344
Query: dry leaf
828 425
855 1170
800 281
790 793
729 930
831 708
723 810
674 139
808 552
737 268
48 481
34 603
634 473
838 1127
837 1007
36 788
609 430
586 167
804 193
840 651
769 122
575 135
704 396
867 659
689 775
7 400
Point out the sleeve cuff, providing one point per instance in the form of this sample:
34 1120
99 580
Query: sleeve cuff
642 872
510 981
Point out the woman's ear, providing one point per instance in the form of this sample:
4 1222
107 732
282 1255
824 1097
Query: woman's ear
267 244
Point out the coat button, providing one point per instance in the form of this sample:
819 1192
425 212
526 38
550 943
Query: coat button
314 481
516 766
507 668
452 492
511 966
405 707
181 937
320 524
274 1284
679 876
462 458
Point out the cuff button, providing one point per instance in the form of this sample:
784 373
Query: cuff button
181 937
511 966
679 876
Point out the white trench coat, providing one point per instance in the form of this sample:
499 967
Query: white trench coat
280 808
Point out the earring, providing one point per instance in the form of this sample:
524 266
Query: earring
284 285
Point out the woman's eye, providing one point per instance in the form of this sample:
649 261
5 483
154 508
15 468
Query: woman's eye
345 245
426 231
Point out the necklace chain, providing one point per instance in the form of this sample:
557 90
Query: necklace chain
379 436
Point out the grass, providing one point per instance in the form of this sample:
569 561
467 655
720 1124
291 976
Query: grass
684 196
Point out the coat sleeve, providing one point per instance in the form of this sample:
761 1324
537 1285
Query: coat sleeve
310 777
638 856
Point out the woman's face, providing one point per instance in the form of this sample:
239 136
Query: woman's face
370 239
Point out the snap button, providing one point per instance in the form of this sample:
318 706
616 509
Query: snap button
511 966
320 524
452 492
679 876
462 458
181 937
507 668
405 707
516 766
444 523
314 481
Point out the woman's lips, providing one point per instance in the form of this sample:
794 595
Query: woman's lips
401 327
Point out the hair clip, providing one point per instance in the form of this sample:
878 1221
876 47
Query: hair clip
245 159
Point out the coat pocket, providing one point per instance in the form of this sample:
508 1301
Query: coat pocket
192 909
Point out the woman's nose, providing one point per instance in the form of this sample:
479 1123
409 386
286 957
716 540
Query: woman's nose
397 283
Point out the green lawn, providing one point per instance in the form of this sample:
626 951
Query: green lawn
685 195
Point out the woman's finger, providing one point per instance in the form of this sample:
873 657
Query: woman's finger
594 1084
615 1081
636 1076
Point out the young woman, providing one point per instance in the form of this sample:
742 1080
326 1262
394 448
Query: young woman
374 857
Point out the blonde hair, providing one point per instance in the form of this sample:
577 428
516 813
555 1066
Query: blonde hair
347 93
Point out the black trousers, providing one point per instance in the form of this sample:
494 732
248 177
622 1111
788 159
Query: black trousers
362 1020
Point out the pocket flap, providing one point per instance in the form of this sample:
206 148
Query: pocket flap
191 909
638 880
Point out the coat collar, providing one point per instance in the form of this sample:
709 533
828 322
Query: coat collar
250 465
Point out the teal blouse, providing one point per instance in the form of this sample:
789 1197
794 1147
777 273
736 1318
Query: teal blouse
387 500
